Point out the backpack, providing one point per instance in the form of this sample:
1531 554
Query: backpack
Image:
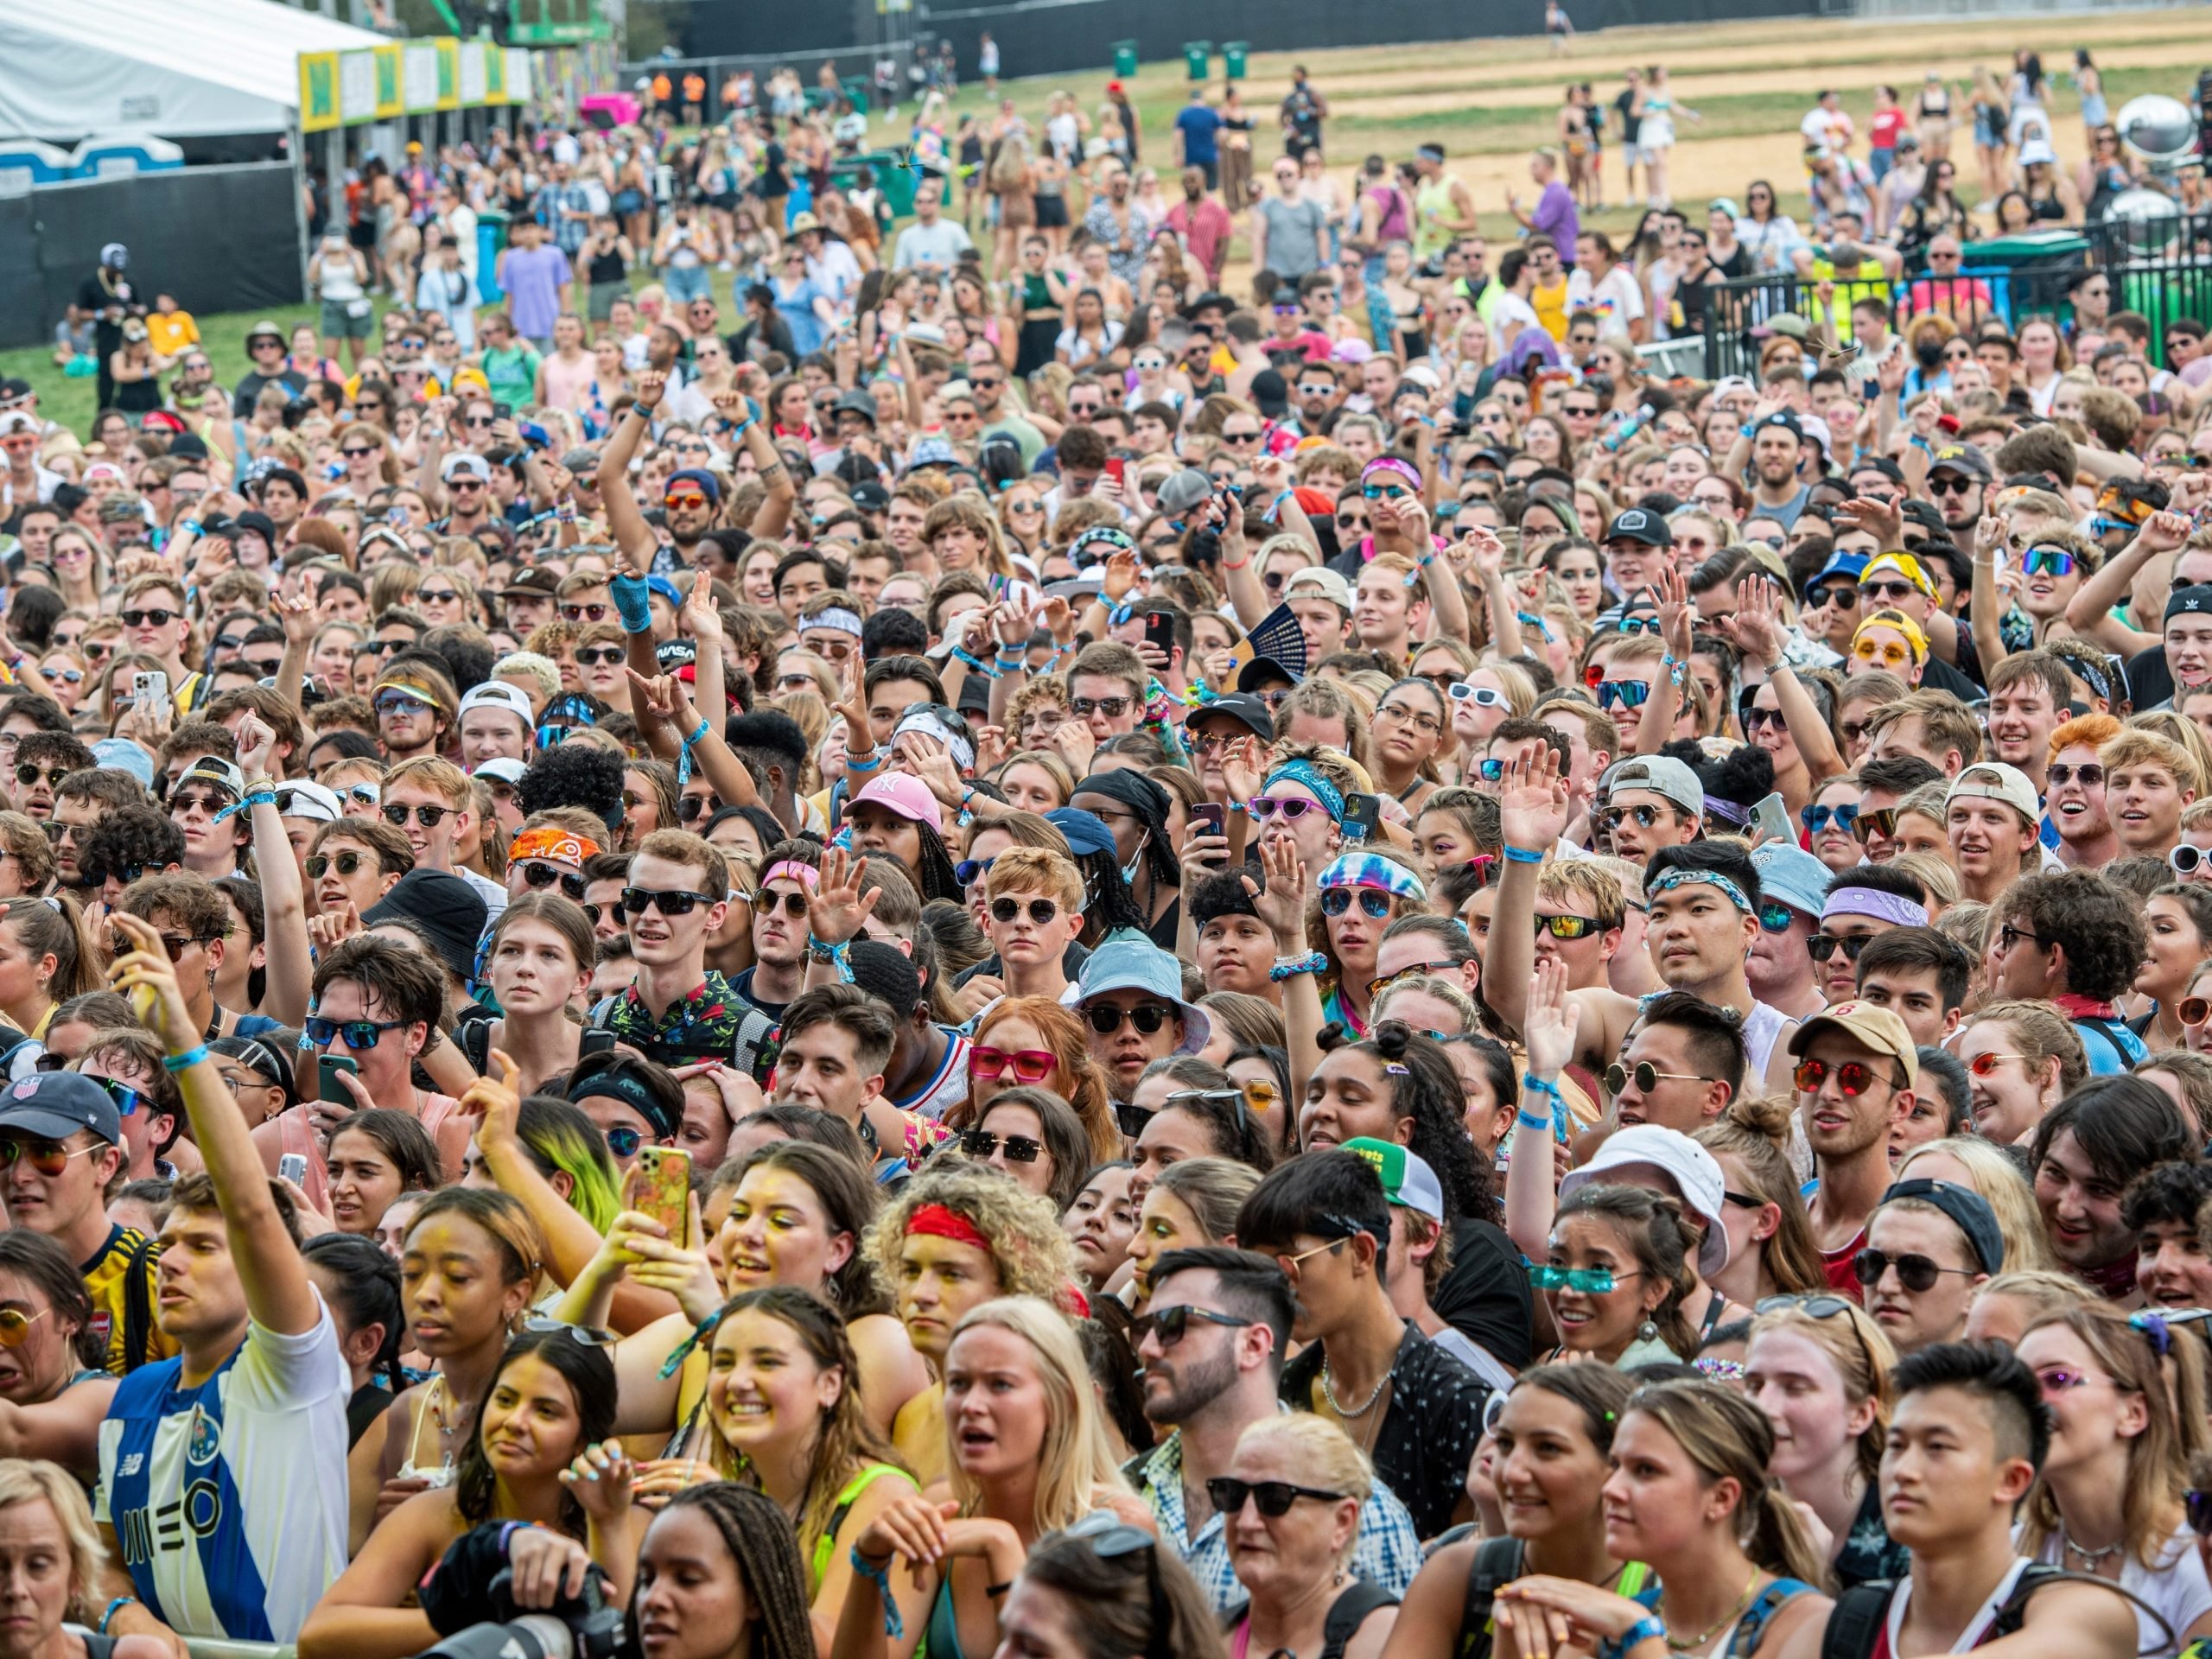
1346 1614
2111 1033
1498 1562
1860 1612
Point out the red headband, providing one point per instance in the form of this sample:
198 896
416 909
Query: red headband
941 1222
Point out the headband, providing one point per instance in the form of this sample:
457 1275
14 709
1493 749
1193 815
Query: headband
837 619
562 846
631 1091
791 870
1871 901
1668 881
407 685
1727 811
1368 870
1306 772
1430 152
1390 464
938 1221
930 725
1117 538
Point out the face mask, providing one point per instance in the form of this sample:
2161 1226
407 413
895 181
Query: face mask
1129 870
1928 354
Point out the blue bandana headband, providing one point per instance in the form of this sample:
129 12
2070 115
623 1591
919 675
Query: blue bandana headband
1367 870
1668 881
1306 772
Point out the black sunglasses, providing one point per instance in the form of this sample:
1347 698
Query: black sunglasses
982 1144
1169 1324
1274 1497
1915 1273
537 873
1106 1018
672 902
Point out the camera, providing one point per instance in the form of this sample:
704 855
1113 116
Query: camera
581 1627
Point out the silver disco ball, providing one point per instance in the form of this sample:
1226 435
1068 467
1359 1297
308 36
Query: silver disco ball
2158 128
2148 219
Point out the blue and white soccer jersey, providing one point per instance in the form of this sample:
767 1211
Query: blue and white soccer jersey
229 1500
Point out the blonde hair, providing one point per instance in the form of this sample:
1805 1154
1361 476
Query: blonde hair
2176 728
1076 1463
2139 747
1323 1454
1728 1438
1212 1189
1428 984
1993 1174
1863 1357
2045 1290
1941 881
29 1480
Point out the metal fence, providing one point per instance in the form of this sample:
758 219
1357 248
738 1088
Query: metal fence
2162 275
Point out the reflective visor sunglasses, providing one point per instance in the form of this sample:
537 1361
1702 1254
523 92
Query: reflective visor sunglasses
1881 821
1567 927
1629 694
356 1034
2048 562
1586 1281
1373 902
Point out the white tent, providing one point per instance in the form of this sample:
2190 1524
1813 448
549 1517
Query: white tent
71 69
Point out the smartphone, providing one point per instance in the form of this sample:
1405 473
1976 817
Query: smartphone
1160 631
1116 468
660 1186
328 1088
1363 816
1209 819
502 411
596 1041
1771 820
149 689
293 1167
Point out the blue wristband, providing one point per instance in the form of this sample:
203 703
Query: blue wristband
684 759
1522 855
1529 1122
1291 967
872 763
113 1607
184 1061
633 601
894 1626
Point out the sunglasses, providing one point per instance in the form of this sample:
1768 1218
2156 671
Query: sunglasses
691 808
28 771
2089 774
1148 1017
1166 1325
1953 485
674 901
48 1158
2048 562
1273 1497
426 815
688 501
15 1326
1890 593
598 656
397 703
1374 903
184 801
585 613
1646 1076
1880 820
1629 694
318 864
1817 818
1264 807
1775 918
1029 1066
1483 696
1610 819
1586 1281
1915 1273
1384 492
1112 707
764 903
983 1145
1567 927
1041 911
1854 1077
159 618
1837 594
623 1140
535 873
356 1034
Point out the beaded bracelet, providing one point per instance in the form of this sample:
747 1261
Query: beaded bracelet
185 1061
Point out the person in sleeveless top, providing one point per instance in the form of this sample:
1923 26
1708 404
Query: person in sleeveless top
1291 1503
1689 1496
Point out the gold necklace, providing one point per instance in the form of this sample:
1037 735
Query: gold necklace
1690 1644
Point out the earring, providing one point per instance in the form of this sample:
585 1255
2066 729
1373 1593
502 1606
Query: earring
1647 1331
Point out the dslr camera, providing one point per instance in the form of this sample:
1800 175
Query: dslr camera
477 1616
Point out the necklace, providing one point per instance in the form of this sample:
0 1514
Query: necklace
1687 1644
2093 1557
1329 1393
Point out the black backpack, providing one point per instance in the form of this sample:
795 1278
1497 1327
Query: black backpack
1346 1614
1860 1611
1498 1562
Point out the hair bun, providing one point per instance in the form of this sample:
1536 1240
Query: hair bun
1767 1115
1391 1037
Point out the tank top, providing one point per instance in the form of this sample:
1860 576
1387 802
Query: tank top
1432 207
1761 1027
1391 225
848 1495
433 1399
609 267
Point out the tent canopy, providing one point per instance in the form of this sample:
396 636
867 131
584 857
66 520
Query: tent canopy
72 69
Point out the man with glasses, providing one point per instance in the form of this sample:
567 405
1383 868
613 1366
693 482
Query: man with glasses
42 760
1859 905
788 880
1211 727
414 704
1856 1072
1032 909
1324 1220
1130 1000
1929 1247
431 802
81 801
1000 416
201 804
1794 885
468 479
377 1003
2073 940
1213 1348
26 483
1106 687
157 625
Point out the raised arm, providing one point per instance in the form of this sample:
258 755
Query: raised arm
1531 1184
1282 908
2089 612
279 1295
1757 631
283 897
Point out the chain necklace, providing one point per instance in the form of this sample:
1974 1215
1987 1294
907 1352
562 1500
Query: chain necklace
1691 1643
1329 1393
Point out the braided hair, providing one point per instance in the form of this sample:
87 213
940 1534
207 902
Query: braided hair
761 1541
363 1286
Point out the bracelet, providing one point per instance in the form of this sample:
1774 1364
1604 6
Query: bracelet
185 1061
683 756
1676 671
1536 1085
1529 1122
1291 967
1522 855
975 662
258 798
1642 1630
113 1608
700 1332
1557 1121
995 1590
893 1625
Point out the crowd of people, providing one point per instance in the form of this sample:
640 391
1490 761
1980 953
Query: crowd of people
939 987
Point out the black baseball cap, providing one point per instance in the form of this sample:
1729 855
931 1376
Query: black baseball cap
1248 711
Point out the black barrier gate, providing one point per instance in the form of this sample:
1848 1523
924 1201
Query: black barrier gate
2163 276
220 238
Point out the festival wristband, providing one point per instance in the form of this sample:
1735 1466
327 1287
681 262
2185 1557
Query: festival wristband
894 1626
1522 855
185 1061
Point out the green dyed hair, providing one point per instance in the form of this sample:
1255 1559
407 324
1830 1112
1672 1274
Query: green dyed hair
561 1137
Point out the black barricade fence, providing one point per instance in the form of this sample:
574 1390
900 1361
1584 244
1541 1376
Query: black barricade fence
219 238
1063 36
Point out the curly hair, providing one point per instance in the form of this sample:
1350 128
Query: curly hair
1427 1089
574 774
1029 1252
2099 929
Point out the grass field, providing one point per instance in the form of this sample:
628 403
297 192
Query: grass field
1489 102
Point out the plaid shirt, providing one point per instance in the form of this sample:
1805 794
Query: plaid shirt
1387 1554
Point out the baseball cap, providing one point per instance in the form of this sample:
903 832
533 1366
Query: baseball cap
465 465
908 796
1248 711
1407 1181
1875 1029
266 330
497 694
445 907
1662 775
54 1105
1317 582
1086 832
1793 875
503 768
15 422
2194 601
1783 419
1788 323
121 754
305 798
1994 780
1851 566
213 769
1968 1211
1640 525
532 582
1694 1172
1184 491
1961 458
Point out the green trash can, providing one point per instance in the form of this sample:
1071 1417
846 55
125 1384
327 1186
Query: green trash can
1197 55
857 91
1233 54
1125 59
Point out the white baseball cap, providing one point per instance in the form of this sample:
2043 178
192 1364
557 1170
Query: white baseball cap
1694 1172
497 694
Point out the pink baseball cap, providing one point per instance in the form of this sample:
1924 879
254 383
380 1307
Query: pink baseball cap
908 796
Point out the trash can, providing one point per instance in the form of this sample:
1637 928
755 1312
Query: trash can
1125 59
856 91
1197 56
1233 56
491 240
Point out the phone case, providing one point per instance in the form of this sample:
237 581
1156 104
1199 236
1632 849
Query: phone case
660 1186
